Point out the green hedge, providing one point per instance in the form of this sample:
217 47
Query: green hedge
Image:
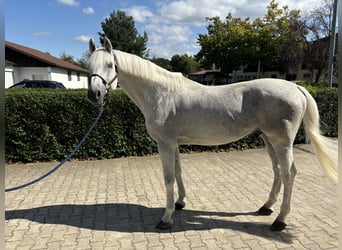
44 125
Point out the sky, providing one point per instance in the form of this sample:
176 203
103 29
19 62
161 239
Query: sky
172 26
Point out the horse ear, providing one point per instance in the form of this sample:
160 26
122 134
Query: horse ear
107 44
92 46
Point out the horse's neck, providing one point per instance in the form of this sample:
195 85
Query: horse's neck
138 91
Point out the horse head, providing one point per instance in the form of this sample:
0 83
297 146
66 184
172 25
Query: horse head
101 69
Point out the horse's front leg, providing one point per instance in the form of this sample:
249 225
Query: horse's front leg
167 156
180 204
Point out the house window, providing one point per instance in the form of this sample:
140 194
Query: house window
69 75
78 76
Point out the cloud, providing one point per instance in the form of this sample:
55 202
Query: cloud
41 33
140 13
88 11
170 33
172 29
82 38
166 40
194 12
69 2
176 24
304 6
161 51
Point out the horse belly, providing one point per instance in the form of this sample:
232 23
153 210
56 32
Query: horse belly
209 134
206 141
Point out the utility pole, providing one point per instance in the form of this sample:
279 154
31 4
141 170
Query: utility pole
332 44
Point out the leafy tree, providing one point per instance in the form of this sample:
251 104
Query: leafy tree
227 43
280 38
82 62
121 31
68 58
184 64
238 42
162 62
294 43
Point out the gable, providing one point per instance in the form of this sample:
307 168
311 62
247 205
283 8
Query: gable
27 57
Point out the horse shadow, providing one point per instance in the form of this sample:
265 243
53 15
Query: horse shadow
131 218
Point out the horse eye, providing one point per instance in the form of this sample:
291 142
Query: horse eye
110 65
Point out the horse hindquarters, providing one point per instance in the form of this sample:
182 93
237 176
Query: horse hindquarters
279 135
280 148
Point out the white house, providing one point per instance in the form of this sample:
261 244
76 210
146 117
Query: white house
25 63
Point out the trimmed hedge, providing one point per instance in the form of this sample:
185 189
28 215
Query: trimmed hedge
45 125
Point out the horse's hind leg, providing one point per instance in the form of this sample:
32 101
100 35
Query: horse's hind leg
180 204
288 173
266 209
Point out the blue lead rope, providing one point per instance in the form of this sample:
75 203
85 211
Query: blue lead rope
62 162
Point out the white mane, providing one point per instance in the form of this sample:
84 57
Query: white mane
147 71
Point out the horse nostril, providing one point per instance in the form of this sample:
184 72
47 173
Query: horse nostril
98 94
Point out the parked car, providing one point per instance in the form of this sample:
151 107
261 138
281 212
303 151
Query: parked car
38 84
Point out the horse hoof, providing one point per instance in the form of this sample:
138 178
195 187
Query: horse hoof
164 225
264 211
179 206
277 226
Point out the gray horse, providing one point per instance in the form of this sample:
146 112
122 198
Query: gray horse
180 111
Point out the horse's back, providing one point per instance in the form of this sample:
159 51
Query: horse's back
268 85
261 93
248 95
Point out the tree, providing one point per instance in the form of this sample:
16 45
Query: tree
280 38
121 31
228 44
184 64
294 43
68 58
162 62
82 62
319 20
319 27
238 42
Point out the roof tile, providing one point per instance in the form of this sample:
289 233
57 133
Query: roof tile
45 57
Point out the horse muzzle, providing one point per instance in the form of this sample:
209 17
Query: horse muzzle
96 96
96 91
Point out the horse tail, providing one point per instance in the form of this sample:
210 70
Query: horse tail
325 149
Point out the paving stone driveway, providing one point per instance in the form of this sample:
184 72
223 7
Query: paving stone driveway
115 204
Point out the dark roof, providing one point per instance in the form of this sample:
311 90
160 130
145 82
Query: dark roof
43 57
8 62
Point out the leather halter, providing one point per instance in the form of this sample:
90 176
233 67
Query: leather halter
107 84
